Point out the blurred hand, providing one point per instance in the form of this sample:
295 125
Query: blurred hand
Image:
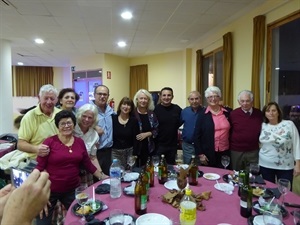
43 150
4 195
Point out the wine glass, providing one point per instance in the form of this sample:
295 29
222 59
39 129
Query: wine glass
155 160
254 170
82 197
273 217
131 161
284 185
225 160
296 215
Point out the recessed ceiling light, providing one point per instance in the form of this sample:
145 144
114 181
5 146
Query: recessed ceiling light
277 68
20 63
126 15
121 44
39 41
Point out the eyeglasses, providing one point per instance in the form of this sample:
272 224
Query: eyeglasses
103 94
63 124
213 96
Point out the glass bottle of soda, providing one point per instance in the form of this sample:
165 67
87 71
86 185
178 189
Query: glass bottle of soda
193 172
150 171
140 197
162 170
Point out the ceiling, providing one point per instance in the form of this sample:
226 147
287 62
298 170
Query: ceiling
79 28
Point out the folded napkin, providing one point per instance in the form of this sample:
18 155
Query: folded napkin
130 189
130 177
102 189
258 180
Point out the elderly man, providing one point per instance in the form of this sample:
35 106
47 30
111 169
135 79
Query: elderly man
104 128
246 124
38 123
188 118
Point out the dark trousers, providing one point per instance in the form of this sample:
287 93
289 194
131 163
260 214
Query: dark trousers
273 175
65 198
169 152
104 159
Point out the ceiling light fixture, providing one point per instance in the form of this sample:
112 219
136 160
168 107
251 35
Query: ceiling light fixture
39 41
20 63
126 15
121 44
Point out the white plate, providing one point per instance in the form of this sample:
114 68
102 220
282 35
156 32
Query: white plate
171 184
106 181
224 187
211 176
153 219
127 220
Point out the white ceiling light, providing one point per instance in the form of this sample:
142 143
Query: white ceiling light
39 41
121 44
20 63
126 15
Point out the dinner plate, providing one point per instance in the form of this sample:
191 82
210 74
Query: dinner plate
250 220
127 219
171 184
259 210
211 176
99 207
152 219
224 187
258 220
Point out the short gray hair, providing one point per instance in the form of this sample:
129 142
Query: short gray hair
213 89
247 92
83 109
147 93
194 92
48 88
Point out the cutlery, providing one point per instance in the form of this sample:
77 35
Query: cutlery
291 205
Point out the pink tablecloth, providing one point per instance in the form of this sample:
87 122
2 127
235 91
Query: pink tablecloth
221 208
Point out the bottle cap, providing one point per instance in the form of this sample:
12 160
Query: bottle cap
188 191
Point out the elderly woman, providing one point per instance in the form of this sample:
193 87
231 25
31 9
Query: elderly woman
279 155
86 121
67 99
148 125
212 130
66 154
125 129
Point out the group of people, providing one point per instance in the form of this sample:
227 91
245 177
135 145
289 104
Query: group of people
70 143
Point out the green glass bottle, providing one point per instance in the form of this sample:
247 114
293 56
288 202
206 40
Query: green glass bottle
246 198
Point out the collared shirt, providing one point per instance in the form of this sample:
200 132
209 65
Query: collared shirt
250 111
222 127
90 138
105 122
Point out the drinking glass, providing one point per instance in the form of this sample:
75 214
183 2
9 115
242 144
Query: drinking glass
131 161
284 185
254 170
155 160
296 215
116 217
225 160
82 197
272 217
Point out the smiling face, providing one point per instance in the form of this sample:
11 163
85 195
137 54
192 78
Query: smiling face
47 102
166 97
142 101
101 96
194 100
68 101
272 114
245 102
66 126
213 99
125 108
87 119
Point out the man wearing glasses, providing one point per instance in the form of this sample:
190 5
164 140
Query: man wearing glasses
104 128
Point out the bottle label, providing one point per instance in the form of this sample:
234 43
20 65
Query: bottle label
188 214
143 202
243 204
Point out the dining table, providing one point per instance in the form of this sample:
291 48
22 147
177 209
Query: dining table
221 208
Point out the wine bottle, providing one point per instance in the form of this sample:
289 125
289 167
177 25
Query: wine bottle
246 198
193 172
162 170
242 174
150 171
140 197
145 180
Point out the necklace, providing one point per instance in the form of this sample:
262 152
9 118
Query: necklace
70 148
123 122
70 141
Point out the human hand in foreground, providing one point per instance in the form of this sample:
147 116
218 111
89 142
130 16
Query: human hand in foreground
25 202
4 195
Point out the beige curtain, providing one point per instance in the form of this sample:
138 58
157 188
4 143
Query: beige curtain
138 78
227 70
257 56
29 79
199 71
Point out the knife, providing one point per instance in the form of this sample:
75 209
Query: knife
292 205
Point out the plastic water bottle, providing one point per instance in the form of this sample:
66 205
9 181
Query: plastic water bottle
115 179
188 209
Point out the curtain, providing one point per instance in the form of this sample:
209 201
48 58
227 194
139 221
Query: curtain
227 68
199 71
29 79
257 56
138 78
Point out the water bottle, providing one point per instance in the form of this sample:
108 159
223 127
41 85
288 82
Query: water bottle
115 179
